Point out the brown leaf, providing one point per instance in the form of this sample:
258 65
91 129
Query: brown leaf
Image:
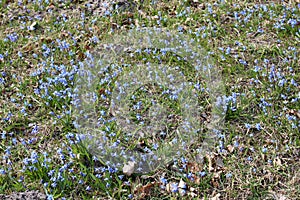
64 34
215 183
277 161
51 6
230 148
144 190
47 40
217 174
194 167
196 179
101 91
80 55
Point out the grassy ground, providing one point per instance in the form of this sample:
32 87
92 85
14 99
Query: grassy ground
255 46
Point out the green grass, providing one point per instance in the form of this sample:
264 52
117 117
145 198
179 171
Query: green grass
257 56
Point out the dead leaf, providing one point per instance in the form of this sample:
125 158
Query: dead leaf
51 6
144 190
47 40
80 55
33 26
168 187
210 167
277 161
215 182
219 162
64 34
217 197
217 174
182 184
194 167
230 148
277 196
196 179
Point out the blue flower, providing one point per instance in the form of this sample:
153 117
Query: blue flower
202 173
88 188
2 171
228 175
174 187
257 126
12 37
34 157
264 149
248 126
163 180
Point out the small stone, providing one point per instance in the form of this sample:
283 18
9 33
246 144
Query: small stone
128 169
